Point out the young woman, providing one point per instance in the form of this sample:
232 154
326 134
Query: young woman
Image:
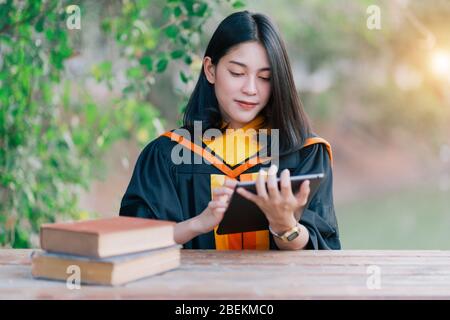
245 83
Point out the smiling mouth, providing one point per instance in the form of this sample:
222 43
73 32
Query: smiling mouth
246 104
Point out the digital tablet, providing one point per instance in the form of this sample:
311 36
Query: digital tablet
243 215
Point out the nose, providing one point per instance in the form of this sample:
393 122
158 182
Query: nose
249 87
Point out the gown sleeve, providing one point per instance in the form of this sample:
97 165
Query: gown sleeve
319 217
152 191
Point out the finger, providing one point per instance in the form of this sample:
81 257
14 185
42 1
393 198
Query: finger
218 211
248 195
272 185
285 184
261 184
303 193
230 183
217 204
222 191
222 196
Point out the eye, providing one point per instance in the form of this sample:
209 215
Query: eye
265 76
234 74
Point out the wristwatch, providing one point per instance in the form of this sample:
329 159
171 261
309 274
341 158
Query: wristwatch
289 235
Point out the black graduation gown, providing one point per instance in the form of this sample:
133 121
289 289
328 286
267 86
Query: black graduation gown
160 189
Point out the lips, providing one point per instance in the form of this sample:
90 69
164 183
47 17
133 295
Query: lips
246 104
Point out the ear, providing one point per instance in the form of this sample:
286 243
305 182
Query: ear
209 69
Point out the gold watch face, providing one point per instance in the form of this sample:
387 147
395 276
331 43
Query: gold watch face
292 236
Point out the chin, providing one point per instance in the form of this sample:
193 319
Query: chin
244 118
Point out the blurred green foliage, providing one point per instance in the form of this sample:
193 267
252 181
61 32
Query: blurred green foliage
53 133
51 143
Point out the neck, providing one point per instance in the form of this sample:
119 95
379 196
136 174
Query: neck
236 125
255 123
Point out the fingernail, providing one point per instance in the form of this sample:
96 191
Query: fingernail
273 169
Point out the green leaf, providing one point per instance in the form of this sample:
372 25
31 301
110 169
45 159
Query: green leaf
128 90
238 4
189 5
102 71
106 67
177 11
172 31
187 59
147 61
50 34
106 25
162 65
91 113
183 39
134 72
177 54
184 77
186 24
202 9
39 27
57 60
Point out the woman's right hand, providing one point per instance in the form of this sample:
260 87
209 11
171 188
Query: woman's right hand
214 212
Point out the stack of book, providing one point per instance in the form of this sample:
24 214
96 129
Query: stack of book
109 251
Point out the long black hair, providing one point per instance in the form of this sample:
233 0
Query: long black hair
284 110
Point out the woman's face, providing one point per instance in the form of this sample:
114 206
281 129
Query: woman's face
241 81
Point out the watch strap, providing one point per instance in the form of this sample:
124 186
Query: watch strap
287 235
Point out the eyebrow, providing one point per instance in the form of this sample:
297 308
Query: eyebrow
245 66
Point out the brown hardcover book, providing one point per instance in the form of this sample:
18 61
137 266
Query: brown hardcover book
107 237
115 270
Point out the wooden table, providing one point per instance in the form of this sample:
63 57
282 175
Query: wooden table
209 274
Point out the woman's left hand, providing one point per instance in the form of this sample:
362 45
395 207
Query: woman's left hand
281 207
